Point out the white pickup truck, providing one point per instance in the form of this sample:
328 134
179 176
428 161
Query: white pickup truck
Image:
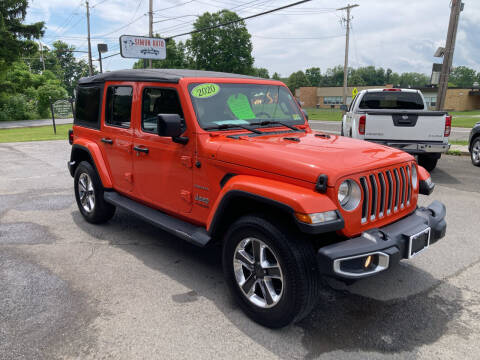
399 118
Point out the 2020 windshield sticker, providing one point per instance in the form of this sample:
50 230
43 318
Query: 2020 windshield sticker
203 91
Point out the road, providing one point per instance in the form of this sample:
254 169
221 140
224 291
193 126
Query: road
126 290
457 134
32 123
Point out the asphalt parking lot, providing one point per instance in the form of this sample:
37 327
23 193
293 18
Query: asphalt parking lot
127 290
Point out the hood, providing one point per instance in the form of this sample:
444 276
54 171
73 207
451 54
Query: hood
305 156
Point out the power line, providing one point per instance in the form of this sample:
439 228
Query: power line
232 22
240 19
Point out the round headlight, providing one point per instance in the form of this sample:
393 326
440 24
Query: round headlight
414 177
349 195
344 192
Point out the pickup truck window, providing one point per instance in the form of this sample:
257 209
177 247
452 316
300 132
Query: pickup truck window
243 104
395 100
158 101
119 106
87 106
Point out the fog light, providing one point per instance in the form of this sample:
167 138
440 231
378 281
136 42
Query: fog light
368 262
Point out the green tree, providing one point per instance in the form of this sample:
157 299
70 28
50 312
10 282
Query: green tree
314 76
463 76
413 79
276 76
261 72
16 37
226 48
296 80
333 76
177 57
70 69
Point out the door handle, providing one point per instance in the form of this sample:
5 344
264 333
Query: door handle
141 149
107 141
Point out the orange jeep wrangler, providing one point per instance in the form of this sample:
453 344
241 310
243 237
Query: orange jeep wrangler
215 157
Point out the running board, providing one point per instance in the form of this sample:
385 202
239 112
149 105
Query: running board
191 233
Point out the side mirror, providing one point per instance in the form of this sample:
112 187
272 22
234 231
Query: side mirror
171 125
305 113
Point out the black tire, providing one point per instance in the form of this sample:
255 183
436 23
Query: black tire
101 211
428 162
341 130
299 271
475 151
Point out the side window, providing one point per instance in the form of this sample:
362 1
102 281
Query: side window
119 106
158 101
87 106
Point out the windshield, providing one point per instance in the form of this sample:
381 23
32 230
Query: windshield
395 100
243 104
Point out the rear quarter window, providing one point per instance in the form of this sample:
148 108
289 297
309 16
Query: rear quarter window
394 100
87 106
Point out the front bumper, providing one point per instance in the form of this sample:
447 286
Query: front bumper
385 246
416 148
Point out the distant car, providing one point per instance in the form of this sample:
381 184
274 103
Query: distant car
474 144
149 51
399 118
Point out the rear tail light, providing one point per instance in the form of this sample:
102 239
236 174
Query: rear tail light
70 136
361 124
392 89
448 125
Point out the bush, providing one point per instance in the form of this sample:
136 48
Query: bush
50 92
16 107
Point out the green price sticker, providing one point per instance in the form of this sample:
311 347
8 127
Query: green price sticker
203 91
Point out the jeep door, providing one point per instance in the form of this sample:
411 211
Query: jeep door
117 133
162 168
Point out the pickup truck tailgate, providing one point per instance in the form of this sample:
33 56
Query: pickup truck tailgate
405 125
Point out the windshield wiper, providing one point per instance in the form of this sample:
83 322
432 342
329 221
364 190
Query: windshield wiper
232 126
273 122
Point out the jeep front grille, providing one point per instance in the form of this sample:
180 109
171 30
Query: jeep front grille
385 192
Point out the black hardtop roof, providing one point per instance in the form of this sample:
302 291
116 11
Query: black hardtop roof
161 75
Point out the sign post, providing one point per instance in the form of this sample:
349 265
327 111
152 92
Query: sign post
141 47
53 116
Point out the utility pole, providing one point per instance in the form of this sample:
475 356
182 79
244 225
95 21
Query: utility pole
456 8
150 25
347 40
42 59
90 66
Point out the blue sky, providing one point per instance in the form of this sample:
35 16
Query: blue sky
401 35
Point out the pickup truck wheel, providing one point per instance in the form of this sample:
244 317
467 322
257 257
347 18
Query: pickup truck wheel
428 162
272 274
89 195
475 153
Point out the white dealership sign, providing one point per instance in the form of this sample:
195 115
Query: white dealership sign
140 47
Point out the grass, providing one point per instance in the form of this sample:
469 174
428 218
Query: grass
465 113
324 114
39 133
464 122
454 152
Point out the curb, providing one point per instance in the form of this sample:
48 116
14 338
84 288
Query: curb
459 150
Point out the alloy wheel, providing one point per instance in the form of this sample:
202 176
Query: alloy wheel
258 272
476 151
86 192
